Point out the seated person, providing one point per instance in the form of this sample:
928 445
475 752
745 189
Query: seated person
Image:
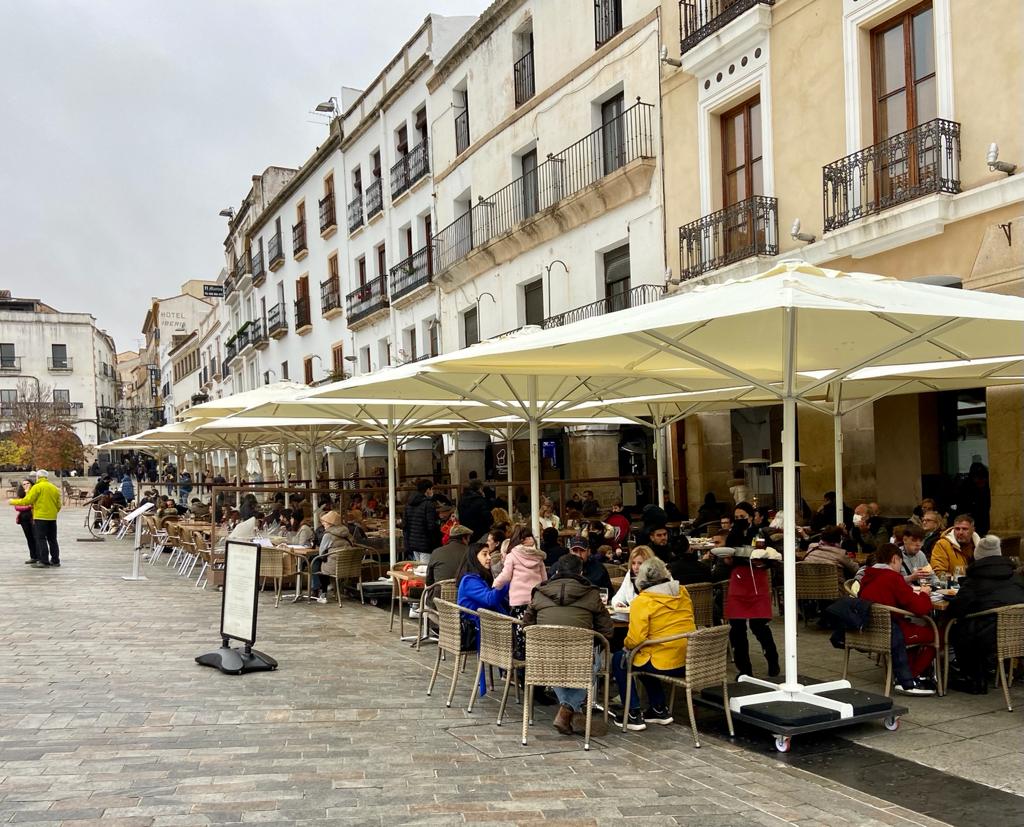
199 509
620 525
990 582
661 609
476 591
883 583
445 560
551 546
569 599
593 568
829 549
627 591
686 567
915 567
955 549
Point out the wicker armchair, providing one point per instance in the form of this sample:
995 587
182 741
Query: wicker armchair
615 570
441 590
1009 642
876 639
449 641
399 601
703 597
174 538
817 581
496 649
344 564
272 566
706 657
564 656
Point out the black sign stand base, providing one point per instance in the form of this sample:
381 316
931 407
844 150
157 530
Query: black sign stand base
237 661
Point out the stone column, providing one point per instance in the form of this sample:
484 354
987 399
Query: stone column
594 452
1005 471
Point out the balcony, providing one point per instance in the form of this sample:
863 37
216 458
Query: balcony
230 287
58 364
607 21
107 417
275 253
747 228
607 168
700 19
10 364
462 131
259 272
330 298
258 335
919 162
299 247
277 321
412 273
641 294
214 370
230 352
374 199
411 167
367 300
303 321
328 216
522 78
243 267
204 377
355 213
157 418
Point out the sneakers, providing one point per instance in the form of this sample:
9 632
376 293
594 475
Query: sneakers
29 562
634 722
321 599
37 565
914 688
55 564
658 715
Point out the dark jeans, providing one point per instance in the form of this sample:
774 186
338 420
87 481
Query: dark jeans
646 673
741 646
47 550
30 535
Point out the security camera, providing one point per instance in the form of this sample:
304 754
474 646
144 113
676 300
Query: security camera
663 55
994 164
796 235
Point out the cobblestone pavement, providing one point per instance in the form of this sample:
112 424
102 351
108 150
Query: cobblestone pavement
104 717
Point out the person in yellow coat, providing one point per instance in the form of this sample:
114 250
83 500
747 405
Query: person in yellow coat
44 497
662 608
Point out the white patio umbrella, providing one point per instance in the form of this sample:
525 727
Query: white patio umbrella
790 333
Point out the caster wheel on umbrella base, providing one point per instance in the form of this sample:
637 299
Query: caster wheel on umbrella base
892 724
782 743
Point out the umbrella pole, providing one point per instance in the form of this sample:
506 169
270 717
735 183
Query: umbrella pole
659 456
392 505
789 506
837 429
534 457
238 478
508 467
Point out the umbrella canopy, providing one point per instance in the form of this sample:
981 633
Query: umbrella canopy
228 405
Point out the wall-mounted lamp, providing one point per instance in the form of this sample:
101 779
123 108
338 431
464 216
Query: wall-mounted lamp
994 164
796 235
229 212
669 61
328 107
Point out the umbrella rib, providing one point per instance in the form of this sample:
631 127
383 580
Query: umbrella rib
889 390
472 396
927 334
693 329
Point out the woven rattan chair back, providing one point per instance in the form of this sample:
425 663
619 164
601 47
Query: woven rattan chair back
1010 632
496 639
817 581
876 636
615 569
344 564
703 597
449 626
271 562
559 656
707 653
449 590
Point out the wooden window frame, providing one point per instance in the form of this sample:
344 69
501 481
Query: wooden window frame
748 159
905 20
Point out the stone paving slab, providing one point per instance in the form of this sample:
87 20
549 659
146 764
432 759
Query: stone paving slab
106 719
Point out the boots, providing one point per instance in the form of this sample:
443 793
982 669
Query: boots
563 719
773 662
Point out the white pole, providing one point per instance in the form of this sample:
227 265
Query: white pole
238 477
789 537
837 432
314 464
659 456
344 470
455 467
508 466
392 499
531 389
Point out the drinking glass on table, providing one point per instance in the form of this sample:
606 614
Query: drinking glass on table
604 596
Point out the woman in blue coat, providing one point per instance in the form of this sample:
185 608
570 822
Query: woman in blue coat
477 592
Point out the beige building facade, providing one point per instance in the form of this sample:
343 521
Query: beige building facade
871 122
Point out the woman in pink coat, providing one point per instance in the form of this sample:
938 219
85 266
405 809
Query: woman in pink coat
750 600
522 571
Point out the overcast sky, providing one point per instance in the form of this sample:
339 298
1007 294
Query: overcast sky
129 124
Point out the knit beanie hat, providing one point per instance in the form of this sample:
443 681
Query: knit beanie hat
989 546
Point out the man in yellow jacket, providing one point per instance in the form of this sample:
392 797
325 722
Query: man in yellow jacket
955 549
44 497
661 609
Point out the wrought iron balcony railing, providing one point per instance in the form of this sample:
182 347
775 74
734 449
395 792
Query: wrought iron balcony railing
107 416
9 364
462 131
328 215
258 270
699 19
367 299
257 332
242 267
277 319
243 337
302 316
214 369
413 272
921 161
607 21
410 168
747 228
229 286
299 238
636 296
330 295
275 252
522 78
374 198
740 230
230 352
355 213
59 364
624 139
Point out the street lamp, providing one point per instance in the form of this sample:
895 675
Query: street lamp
547 269
328 107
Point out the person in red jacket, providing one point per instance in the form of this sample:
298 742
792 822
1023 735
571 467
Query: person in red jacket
883 583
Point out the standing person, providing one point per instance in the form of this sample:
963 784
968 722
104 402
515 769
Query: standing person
127 488
474 512
44 497
420 529
184 486
749 599
24 519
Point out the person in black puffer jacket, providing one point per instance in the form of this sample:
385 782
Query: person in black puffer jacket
474 512
990 583
420 528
